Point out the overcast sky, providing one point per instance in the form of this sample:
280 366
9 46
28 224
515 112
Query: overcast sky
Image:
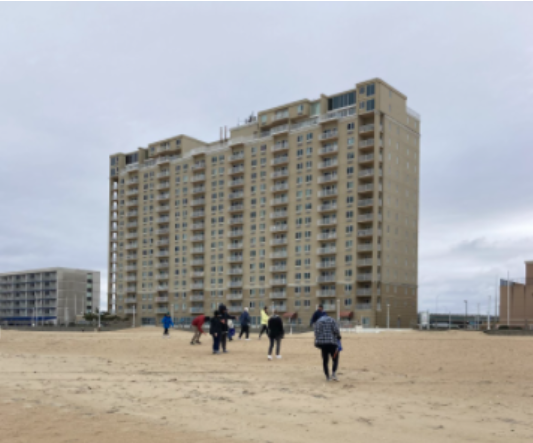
79 82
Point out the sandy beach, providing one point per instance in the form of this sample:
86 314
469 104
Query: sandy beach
134 386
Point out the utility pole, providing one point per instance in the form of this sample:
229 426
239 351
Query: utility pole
478 317
450 321
466 313
388 315
488 316
508 307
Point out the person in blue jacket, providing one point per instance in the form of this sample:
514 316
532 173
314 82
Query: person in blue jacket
167 323
245 324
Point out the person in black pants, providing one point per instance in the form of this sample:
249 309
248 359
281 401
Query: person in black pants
215 330
327 337
264 322
224 317
275 333
245 324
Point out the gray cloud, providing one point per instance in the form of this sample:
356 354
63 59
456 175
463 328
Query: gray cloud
82 81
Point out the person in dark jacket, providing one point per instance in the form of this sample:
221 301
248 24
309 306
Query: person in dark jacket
275 333
216 331
327 339
318 313
224 317
245 324
167 323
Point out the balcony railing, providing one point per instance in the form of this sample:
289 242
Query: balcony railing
328 164
364 233
279 228
326 265
365 262
237 156
278 295
328 178
235 284
328 149
363 291
278 281
327 236
279 254
197 238
197 274
327 222
163 208
366 158
197 298
236 221
363 306
198 166
366 128
235 258
366 143
235 309
236 195
328 135
198 189
196 214
326 293
326 278
236 233
279 201
235 271
197 262
280 187
279 241
280 146
236 170
326 251
161 299
234 183
198 202
280 160
197 285
236 208
282 173
365 202
338 114
364 247
364 277
278 268
328 192
196 310
279 214
198 178
234 246
163 196
163 185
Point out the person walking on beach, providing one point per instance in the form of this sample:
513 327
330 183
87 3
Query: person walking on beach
224 319
264 322
245 324
196 326
216 331
275 334
317 314
327 339
167 323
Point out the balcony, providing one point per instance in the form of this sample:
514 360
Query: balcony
364 233
236 208
198 225
326 265
197 297
235 284
329 135
129 193
365 262
197 250
364 277
363 292
326 251
327 222
368 158
278 282
278 268
328 149
235 259
280 173
165 196
236 157
363 306
236 233
161 299
163 185
197 262
131 288
131 235
328 293
366 247
197 285
280 146
235 183
328 178
235 246
328 207
197 237
198 214
131 268
328 192
131 245
279 201
163 208
162 231
326 278
130 257
162 265
132 181
235 309
234 296
280 160
280 187
163 174
278 295
279 254
162 287
198 202
198 189
129 311
198 178
279 241
369 187
366 128
279 214
363 218
236 221
235 195
132 213
237 170
197 310
367 202
165 219
197 274
235 271
131 224
330 308
366 143
163 242
279 228
198 166
328 164
327 236
130 300
280 308
162 254
131 278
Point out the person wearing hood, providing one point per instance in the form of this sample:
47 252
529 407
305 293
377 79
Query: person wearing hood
224 319
327 339
245 324
275 334
167 323
216 331
317 314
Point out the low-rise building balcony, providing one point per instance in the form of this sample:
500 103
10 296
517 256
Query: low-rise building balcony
328 178
278 295
198 189
326 293
236 233
282 227
328 149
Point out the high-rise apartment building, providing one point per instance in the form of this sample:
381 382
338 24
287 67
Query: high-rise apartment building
48 296
314 201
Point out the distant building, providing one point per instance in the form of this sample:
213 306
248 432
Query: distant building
50 295
516 298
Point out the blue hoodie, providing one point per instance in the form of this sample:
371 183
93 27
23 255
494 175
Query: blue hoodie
316 316
245 319
167 322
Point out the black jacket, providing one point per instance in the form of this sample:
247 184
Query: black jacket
224 316
216 326
275 327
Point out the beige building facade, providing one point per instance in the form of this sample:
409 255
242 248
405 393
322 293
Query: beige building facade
516 300
312 202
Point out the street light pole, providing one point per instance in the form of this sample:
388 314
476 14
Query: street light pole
388 315
437 304
466 312
488 316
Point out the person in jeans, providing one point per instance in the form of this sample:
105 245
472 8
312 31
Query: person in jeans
216 331
167 323
327 339
196 326
264 322
245 324
275 333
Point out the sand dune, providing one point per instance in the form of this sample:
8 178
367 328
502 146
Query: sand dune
135 386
